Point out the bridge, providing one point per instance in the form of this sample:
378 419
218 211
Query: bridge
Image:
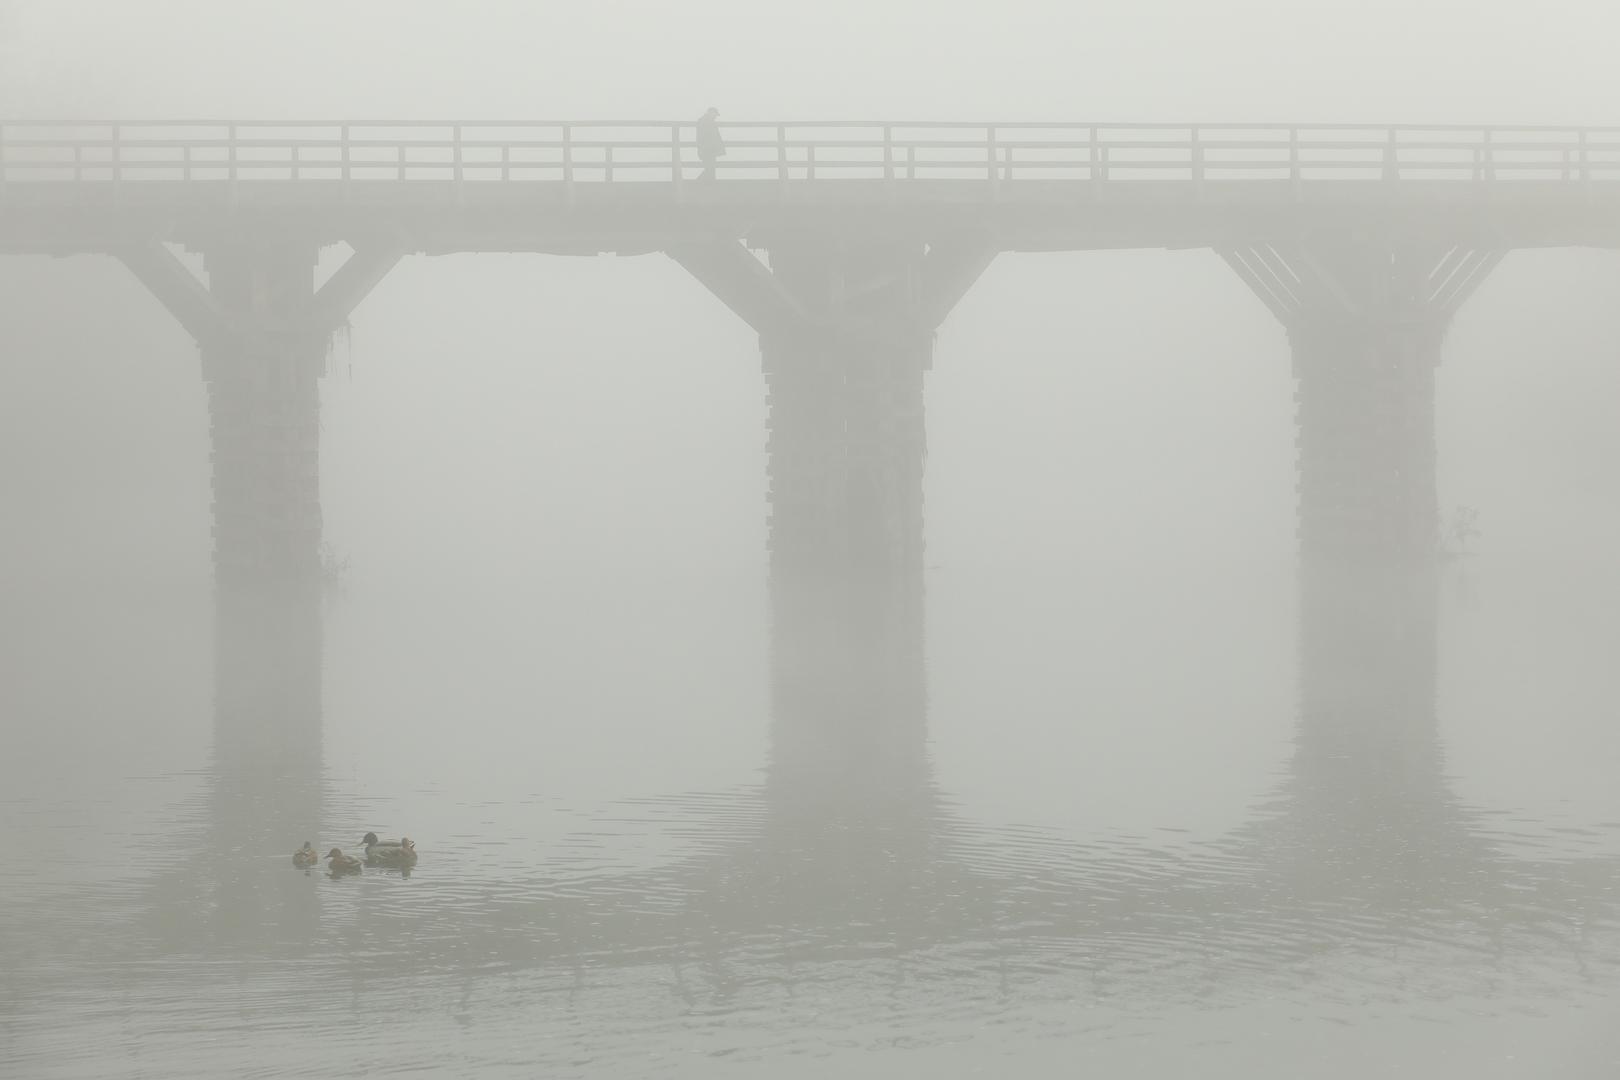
844 245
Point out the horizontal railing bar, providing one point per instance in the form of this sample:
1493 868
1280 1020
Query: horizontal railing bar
1402 150
976 169
1067 125
865 125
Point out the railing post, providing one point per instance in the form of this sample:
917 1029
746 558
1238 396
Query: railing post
78 166
1294 171
810 161
888 153
230 149
401 170
607 167
567 155
1586 165
506 163
1490 156
990 154
781 156
455 150
117 152
911 163
343 152
3 168
676 166
1391 167
186 169
1197 162
297 158
1091 155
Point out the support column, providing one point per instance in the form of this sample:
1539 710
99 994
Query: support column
846 327
264 416
263 330
1365 315
1365 411
846 439
846 453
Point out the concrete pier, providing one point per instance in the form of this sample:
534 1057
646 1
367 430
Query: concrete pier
263 330
1366 314
846 327
847 449
264 415
1365 411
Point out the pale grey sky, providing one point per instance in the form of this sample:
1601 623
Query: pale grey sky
1419 60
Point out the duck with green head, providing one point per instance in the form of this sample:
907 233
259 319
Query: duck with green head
401 852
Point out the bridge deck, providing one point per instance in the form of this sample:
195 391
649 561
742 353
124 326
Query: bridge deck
635 186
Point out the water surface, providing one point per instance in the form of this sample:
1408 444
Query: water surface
1229 824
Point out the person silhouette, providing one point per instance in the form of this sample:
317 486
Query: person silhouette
710 145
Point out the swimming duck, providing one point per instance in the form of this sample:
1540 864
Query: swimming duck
343 864
401 852
306 856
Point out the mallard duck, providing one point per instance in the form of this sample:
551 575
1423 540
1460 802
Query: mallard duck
306 856
343 864
401 852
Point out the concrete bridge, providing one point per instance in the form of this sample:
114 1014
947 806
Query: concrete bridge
845 245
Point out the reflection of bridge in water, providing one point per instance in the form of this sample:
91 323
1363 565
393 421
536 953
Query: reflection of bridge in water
849 855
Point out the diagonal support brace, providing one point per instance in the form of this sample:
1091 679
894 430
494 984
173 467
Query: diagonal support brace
207 320
742 282
178 290
949 270
344 290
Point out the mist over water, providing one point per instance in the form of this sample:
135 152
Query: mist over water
1108 778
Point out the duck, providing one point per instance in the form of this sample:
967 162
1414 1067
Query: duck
343 864
306 856
401 852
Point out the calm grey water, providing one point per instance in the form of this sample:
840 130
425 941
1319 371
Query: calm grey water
1192 823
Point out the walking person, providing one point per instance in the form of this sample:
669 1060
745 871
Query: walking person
710 146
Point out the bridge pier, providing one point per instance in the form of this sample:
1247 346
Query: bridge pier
1365 316
263 330
846 453
264 416
1365 410
846 331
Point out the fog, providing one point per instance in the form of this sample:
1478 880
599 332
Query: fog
1097 679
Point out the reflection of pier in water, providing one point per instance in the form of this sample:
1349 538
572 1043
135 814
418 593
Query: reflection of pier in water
265 782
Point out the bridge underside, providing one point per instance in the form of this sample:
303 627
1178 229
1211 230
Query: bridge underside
846 284
433 217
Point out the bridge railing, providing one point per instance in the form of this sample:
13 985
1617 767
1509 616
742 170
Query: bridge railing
666 151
